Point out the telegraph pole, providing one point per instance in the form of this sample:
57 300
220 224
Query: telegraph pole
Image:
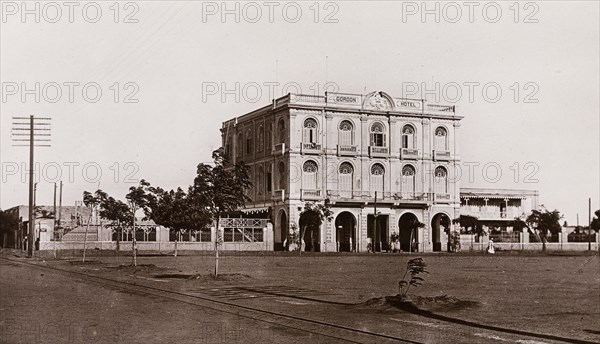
589 224
375 227
54 209
60 203
29 129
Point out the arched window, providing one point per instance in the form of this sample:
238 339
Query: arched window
261 138
269 136
441 180
377 178
269 178
346 179
281 131
261 180
309 175
250 191
441 139
240 145
309 132
378 135
249 141
282 181
346 133
408 137
408 180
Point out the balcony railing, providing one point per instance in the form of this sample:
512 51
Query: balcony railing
278 149
347 150
311 194
306 98
413 196
378 151
441 108
490 215
409 153
312 148
279 195
441 155
442 197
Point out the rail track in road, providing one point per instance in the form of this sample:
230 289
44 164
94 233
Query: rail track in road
293 322
298 323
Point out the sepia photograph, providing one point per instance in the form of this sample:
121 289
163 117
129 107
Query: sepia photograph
387 171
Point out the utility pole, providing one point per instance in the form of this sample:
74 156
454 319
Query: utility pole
54 210
589 224
29 129
60 204
375 228
34 196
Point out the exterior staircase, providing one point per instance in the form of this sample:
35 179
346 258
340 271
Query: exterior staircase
78 234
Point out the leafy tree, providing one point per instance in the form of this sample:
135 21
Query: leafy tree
92 201
312 217
118 213
414 225
414 267
519 225
545 222
177 211
470 223
138 198
219 190
596 221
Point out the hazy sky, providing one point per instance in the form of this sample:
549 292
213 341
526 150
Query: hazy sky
525 76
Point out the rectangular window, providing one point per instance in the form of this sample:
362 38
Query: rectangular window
345 138
345 185
269 181
377 184
310 181
205 235
378 140
238 236
258 234
440 143
228 235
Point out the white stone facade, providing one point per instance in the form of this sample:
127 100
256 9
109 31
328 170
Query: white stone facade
347 148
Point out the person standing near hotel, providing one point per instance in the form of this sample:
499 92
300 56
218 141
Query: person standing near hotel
490 248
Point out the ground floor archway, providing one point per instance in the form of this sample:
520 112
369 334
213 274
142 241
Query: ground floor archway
310 232
408 226
439 223
282 231
378 232
345 226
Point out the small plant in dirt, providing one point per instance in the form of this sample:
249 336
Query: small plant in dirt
414 268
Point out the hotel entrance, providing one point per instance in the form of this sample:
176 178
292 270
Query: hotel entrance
378 232
345 225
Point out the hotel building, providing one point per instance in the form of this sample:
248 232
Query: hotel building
383 162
